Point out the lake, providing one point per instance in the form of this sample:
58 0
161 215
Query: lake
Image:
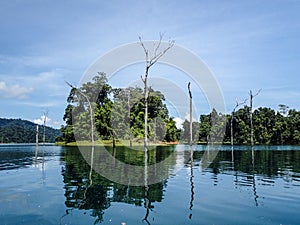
59 187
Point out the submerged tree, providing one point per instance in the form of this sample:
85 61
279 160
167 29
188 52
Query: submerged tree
150 61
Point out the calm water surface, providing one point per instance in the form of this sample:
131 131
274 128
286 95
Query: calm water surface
60 188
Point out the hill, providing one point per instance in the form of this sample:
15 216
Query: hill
24 131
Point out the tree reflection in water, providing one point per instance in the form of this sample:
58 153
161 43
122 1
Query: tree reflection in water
86 190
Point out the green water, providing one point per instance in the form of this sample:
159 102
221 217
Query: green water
59 187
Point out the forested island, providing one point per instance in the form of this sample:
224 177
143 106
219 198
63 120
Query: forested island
118 114
24 131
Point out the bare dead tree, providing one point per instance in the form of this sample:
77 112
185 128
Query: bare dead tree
232 117
36 141
129 109
231 124
45 114
251 115
191 115
150 61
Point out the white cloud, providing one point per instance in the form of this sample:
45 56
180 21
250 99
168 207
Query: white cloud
179 122
49 122
40 121
187 117
14 91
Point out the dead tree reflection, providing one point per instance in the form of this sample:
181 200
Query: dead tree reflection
191 182
147 202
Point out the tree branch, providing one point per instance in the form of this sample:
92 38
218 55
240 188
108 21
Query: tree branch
239 103
145 50
155 58
257 93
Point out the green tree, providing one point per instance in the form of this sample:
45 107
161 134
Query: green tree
204 128
77 113
172 133
264 120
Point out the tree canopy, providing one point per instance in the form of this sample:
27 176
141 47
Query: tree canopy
270 127
117 112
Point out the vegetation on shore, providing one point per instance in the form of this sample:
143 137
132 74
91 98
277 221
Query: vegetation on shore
24 131
118 115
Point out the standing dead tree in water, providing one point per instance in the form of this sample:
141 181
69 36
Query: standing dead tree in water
191 115
156 54
44 130
36 141
231 124
232 117
251 115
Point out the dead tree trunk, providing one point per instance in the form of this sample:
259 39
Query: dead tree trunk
232 117
44 131
128 105
150 61
154 139
231 124
191 115
251 116
36 141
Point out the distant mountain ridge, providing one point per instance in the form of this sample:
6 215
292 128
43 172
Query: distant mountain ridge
24 131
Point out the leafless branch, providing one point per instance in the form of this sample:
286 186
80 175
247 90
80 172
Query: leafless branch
239 103
257 93
145 50
156 55
158 44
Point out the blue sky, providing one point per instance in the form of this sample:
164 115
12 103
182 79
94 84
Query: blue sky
246 44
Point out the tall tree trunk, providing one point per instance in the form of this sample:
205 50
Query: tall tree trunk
146 90
251 120
150 61
154 139
44 132
231 125
251 117
231 136
129 121
231 130
36 141
191 115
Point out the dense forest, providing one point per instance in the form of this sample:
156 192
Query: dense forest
269 126
118 113
24 131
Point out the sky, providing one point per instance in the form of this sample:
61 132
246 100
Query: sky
247 45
